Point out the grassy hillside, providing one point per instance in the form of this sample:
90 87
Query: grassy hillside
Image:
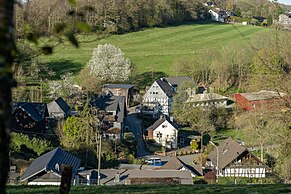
157 48
223 189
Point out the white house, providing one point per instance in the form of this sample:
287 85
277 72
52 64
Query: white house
218 16
161 92
234 160
165 132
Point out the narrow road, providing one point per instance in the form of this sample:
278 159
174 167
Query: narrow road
134 124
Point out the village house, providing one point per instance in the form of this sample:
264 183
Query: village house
115 113
47 169
218 15
126 90
135 177
58 109
165 132
29 117
176 163
207 100
261 99
160 94
234 160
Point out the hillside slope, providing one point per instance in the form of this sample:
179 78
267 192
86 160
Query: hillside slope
157 48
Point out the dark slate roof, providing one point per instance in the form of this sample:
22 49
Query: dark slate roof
64 106
110 103
166 88
176 81
48 161
262 95
37 111
161 120
229 150
124 86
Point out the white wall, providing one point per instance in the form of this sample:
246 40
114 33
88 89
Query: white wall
156 94
44 183
255 172
169 133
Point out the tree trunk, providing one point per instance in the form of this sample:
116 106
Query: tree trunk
7 50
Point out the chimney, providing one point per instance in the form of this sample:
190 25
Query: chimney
117 177
172 118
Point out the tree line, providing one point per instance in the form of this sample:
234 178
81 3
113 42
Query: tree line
120 16
113 16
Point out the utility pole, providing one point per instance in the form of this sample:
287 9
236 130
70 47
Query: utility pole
99 158
41 94
217 153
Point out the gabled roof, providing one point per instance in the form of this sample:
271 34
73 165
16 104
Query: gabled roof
229 150
176 163
37 111
51 161
110 103
124 86
173 164
166 88
262 95
162 120
176 81
58 105
64 106
206 97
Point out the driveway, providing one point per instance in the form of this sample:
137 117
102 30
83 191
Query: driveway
134 124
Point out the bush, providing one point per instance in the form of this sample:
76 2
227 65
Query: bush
20 141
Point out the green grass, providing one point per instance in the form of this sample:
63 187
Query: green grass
154 49
199 189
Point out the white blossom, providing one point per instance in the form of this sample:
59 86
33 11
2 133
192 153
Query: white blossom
108 63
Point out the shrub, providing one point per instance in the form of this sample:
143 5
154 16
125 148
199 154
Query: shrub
19 141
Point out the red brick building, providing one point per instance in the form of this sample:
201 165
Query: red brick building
261 99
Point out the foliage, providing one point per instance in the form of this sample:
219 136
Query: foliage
109 64
39 146
64 87
194 145
89 82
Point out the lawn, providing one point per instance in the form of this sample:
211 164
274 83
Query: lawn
202 189
154 49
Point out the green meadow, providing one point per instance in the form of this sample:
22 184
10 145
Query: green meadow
154 49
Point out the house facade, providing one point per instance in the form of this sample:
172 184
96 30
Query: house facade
114 108
234 160
160 94
47 169
262 99
165 132
58 109
126 90
218 16
111 177
29 117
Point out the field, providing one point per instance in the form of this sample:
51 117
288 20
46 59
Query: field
199 189
155 49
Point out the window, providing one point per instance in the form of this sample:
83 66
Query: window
159 135
164 126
